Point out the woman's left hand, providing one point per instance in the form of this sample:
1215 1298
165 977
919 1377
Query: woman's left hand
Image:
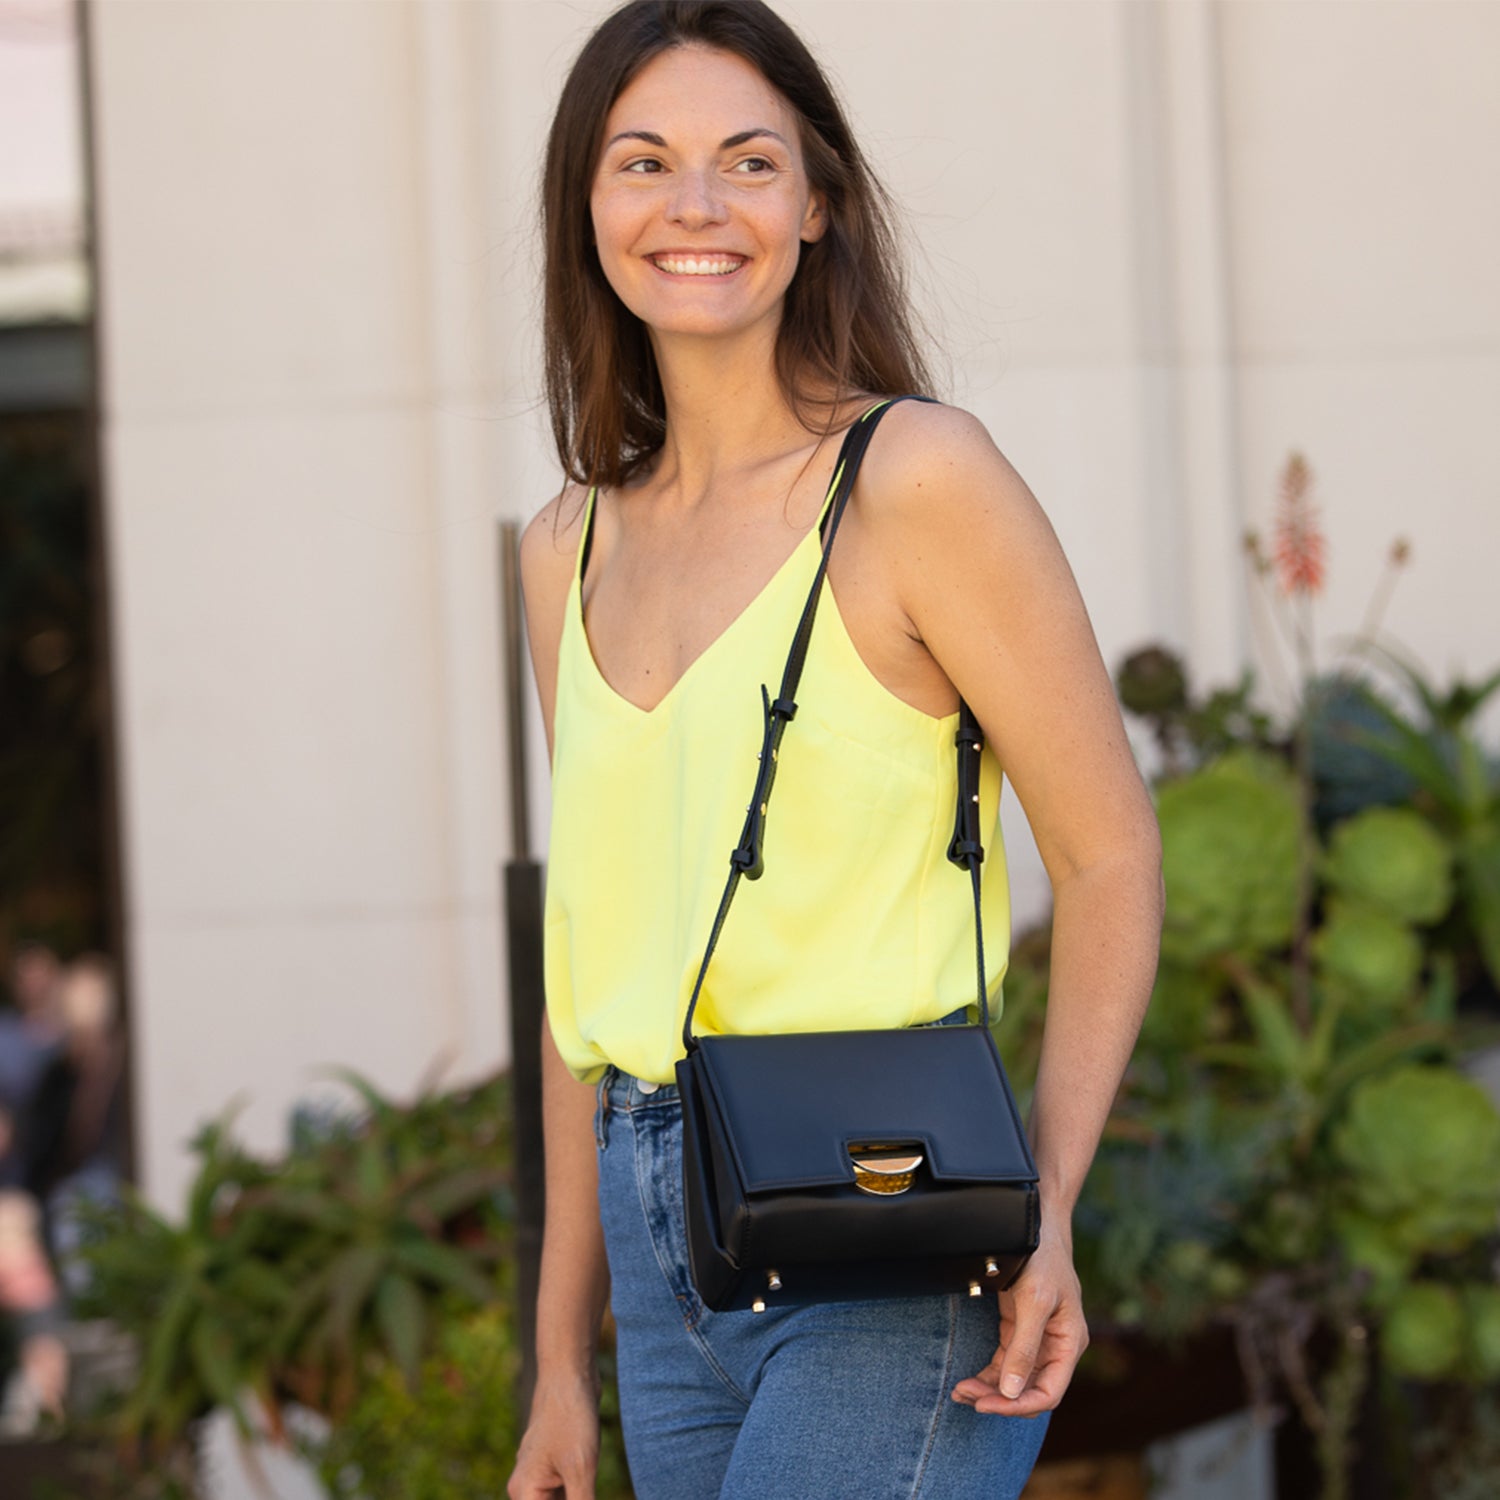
1042 1336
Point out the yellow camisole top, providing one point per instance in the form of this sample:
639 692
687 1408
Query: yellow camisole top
859 919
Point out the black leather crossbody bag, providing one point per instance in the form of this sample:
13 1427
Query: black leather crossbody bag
843 1165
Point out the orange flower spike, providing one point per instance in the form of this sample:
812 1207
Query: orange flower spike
1299 547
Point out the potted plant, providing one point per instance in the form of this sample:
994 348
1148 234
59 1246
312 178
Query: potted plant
289 1280
1298 1157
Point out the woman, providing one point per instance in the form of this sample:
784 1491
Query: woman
721 304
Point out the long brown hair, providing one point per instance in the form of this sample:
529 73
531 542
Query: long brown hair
845 326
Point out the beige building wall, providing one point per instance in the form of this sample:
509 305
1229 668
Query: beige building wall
1164 242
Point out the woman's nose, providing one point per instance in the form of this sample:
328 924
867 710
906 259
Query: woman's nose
697 200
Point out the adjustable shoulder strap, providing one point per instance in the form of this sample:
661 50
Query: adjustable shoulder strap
748 858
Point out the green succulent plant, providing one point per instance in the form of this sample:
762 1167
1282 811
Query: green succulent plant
1152 682
1424 1331
1437 1331
1316 1003
1393 859
1232 835
1366 954
1420 1147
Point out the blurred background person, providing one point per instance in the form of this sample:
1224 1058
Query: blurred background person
33 1356
72 1140
31 1034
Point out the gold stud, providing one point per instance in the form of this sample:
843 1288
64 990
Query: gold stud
974 1289
758 1305
773 1280
975 797
990 1268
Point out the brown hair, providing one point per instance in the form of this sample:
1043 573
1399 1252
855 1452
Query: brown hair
845 324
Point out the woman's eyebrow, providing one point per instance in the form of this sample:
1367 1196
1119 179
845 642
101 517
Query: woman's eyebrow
727 144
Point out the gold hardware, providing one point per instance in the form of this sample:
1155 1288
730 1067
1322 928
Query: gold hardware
974 1289
773 1280
758 1305
884 1168
990 1268
975 797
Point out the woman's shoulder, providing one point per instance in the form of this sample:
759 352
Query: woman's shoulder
549 551
929 459
549 543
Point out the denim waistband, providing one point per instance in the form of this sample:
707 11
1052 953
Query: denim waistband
624 1091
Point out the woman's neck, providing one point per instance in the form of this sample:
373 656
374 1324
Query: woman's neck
726 412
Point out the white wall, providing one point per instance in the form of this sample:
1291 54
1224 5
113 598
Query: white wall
1163 241
302 490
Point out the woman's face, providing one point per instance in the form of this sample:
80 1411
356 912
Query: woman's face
701 202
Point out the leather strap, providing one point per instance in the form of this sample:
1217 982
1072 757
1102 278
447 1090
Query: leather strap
748 857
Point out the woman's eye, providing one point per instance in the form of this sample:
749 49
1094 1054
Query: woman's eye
757 166
645 165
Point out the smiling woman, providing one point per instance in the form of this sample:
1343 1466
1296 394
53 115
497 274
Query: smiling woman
845 317
722 299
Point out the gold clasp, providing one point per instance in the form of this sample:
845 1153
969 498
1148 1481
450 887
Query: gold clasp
884 1168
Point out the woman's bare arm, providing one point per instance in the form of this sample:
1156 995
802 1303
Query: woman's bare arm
559 1454
987 592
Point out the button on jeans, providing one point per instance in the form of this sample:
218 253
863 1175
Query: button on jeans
841 1401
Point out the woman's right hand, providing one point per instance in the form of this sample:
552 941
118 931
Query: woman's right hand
559 1455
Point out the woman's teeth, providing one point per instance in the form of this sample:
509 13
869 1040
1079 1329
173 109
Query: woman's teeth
691 265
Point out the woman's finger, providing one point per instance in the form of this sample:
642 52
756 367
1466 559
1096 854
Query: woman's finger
1033 1310
1049 1380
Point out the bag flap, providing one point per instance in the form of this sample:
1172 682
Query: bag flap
792 1104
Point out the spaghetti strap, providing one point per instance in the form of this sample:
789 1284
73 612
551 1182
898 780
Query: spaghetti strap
838 469
588 534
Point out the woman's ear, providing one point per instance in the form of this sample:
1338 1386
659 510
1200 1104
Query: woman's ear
815 220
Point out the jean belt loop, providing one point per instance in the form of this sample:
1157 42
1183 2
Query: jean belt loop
601 1110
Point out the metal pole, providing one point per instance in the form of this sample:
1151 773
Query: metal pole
523 927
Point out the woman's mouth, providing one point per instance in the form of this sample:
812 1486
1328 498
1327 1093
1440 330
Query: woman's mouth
698 265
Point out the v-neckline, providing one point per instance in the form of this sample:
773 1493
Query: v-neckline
814 534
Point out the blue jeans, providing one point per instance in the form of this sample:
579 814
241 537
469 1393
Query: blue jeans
841 1401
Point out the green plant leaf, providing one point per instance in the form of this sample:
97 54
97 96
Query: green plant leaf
401 1316
253 1281
1242 1055
447 1267
352 1281
381 1107
1415 754
371 1176
290 1340
306 1207
164 1349
462 1189
1378 1054
1274 1028
213 1352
